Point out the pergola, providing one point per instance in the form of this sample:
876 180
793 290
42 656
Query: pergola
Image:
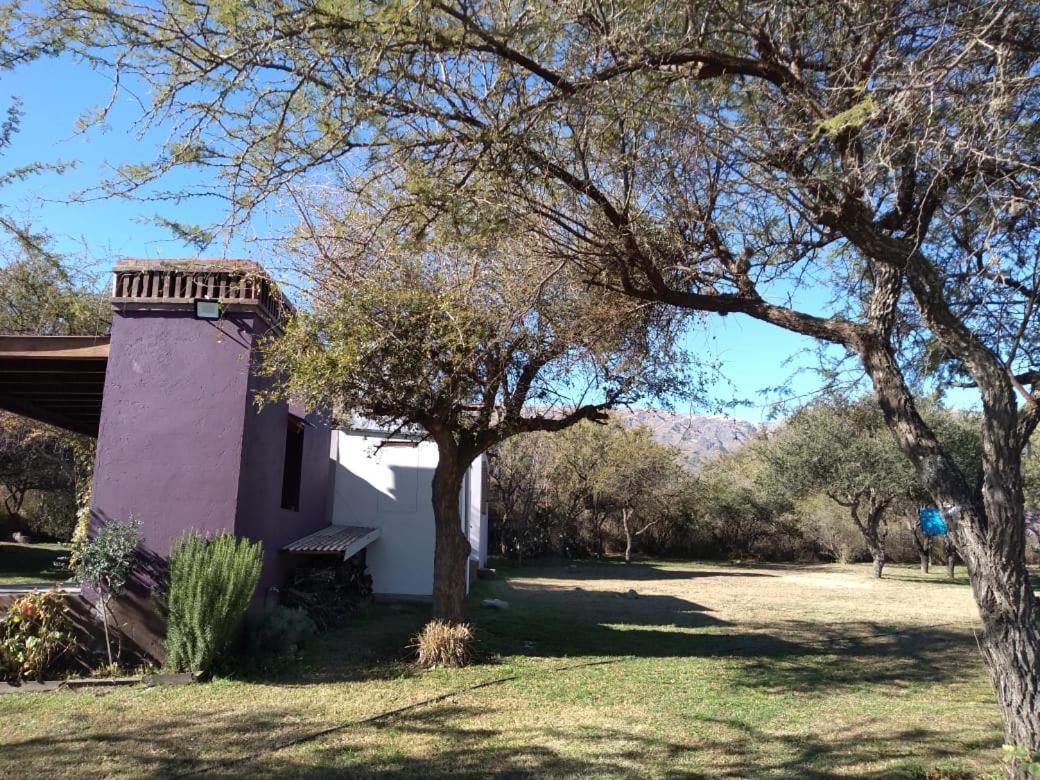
55 379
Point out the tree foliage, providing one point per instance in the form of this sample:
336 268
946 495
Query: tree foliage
106 562
471 342
845 452
33 457
589 490
843 449
743 509
483 340
42 295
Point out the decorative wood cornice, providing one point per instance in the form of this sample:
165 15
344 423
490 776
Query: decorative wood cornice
239 285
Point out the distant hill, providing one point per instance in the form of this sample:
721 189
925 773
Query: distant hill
700 436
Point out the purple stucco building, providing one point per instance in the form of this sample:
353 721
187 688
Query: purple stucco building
181 443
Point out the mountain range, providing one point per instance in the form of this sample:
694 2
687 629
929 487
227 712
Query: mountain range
699 436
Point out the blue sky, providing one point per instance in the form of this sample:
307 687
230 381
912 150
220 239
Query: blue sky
55 93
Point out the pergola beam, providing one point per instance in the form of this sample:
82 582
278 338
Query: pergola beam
59 380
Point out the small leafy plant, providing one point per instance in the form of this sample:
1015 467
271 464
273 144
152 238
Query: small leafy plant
34 634
1020 763
211 584
444 644
283 631
106 562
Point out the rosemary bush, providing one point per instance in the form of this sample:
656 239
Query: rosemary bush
211 584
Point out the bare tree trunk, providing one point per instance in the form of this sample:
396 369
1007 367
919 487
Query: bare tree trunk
922 542
878 557
1011 641
13 504
104 598
452 549
625 514
873 535
15 498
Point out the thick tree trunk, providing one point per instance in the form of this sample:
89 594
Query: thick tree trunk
1010 643
988 528
13 504
452 549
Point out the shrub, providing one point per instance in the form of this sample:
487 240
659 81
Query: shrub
283 630
211 584
105 562
444 644
34 634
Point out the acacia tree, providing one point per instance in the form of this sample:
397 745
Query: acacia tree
712 156
735 497
641 482
592 485
518 484
471 344
844 451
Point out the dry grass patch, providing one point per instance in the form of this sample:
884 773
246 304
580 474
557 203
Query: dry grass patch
444 644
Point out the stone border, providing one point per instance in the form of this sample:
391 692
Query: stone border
83 683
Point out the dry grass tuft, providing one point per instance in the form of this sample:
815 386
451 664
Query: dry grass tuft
444 644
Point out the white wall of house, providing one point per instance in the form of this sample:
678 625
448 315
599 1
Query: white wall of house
390 489
474 494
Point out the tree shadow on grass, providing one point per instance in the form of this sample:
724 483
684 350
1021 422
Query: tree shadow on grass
864 653
260 745
914 752
770 656
780 655
928 579
619 570
551 621
462 740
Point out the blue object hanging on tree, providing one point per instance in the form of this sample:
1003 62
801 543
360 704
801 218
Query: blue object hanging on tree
931 520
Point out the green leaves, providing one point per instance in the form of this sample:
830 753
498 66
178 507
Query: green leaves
211 583
35 634
852 118
108 559
458 334
41 295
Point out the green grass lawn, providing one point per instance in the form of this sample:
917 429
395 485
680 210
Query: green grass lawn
32 563
765 671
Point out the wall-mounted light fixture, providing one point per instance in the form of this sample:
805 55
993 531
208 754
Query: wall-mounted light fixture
207 309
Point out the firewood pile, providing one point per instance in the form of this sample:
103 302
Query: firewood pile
330 592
